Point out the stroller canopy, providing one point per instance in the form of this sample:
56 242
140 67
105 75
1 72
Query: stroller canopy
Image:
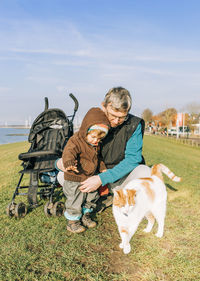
48 135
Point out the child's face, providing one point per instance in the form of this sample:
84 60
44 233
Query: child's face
94 138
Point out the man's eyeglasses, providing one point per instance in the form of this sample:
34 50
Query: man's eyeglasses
113 117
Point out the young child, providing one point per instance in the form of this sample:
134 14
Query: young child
80 160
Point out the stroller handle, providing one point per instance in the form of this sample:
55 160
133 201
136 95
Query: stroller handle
75 101
46 103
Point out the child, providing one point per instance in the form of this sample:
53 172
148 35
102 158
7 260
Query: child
80 160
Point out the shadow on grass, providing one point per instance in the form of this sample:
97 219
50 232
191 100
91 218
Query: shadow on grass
171 187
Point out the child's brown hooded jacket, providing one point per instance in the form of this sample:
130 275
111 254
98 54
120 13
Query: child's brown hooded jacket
78 149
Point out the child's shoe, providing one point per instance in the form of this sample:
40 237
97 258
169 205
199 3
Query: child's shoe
75 226
87 221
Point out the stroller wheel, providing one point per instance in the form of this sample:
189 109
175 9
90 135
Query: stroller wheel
48 209
20 210
10 210
58 209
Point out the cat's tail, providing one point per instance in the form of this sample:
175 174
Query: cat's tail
160 168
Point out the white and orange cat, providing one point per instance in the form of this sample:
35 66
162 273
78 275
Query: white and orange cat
139 198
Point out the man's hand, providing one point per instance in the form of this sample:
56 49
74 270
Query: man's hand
91 184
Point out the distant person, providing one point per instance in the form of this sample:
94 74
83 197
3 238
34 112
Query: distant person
80 160
122 147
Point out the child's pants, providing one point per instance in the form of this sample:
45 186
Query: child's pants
77 202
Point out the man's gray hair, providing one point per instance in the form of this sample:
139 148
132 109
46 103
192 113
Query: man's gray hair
119 98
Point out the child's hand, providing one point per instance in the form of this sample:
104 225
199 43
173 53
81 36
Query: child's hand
72 168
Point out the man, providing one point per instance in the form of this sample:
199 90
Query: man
122 148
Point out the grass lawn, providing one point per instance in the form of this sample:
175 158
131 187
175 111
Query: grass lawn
40 248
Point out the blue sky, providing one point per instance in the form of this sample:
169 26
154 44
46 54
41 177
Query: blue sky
51 48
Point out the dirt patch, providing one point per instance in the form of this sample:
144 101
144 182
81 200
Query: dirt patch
119 262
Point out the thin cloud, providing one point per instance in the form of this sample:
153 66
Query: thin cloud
167 59
65 39
84 63
60 55
78 53
123 70
34 37
43 80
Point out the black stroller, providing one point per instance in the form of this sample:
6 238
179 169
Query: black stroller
48 135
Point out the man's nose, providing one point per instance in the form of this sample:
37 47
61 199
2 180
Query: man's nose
116 120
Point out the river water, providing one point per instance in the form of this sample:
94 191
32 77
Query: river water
10 135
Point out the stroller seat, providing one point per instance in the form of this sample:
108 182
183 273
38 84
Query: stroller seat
48 135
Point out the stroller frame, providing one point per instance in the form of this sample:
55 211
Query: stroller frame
44 163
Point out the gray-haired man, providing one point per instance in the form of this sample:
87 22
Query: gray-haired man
122 148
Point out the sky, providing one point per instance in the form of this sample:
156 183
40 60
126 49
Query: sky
50 48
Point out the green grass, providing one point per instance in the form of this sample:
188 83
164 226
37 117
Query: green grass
40 248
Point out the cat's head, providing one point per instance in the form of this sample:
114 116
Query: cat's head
125 200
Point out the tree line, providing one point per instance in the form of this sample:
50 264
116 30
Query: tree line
168 118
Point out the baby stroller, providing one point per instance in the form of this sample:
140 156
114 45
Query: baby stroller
48 135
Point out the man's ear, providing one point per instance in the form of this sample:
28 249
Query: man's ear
103 106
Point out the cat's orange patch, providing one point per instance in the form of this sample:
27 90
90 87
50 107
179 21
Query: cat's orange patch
148 179
148 189
150 217
131 196
119 199
124 230
174 176
156 170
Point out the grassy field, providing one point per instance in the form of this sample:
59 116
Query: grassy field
40 248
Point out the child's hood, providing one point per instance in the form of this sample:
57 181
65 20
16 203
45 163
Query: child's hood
94 116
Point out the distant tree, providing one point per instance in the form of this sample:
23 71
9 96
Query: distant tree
147 115
193 116
190 121
168 116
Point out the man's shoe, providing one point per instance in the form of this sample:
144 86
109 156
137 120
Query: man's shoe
87 221
75 226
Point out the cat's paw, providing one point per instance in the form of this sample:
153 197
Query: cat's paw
127 249
147 230
121 246
159 235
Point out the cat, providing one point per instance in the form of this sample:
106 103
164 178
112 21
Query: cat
139 198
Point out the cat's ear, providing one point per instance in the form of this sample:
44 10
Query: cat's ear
133 192
131 196
119 199
116 193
